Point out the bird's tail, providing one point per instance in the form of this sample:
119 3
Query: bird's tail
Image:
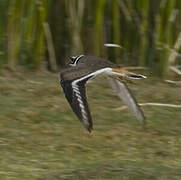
122 73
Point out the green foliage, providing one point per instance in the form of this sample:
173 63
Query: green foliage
146 30
15 13
40 39
75 12
2 30
165 33
98 26
116 27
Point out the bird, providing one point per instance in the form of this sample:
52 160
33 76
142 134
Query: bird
82 68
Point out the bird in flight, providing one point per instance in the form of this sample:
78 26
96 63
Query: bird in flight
82 68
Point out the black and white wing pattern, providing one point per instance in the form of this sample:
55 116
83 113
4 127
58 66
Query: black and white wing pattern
126 96
75 92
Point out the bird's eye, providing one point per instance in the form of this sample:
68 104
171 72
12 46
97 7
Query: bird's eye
74 60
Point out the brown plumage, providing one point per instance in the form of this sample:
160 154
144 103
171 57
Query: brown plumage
80 70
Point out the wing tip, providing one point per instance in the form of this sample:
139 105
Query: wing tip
89 128
141 117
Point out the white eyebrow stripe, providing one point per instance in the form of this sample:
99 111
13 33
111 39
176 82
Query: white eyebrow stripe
76 60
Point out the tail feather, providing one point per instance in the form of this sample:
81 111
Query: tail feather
126 74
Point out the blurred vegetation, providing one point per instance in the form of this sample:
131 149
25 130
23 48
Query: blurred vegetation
45 32
41 138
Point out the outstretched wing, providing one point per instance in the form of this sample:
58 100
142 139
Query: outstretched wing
125 94
76 96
